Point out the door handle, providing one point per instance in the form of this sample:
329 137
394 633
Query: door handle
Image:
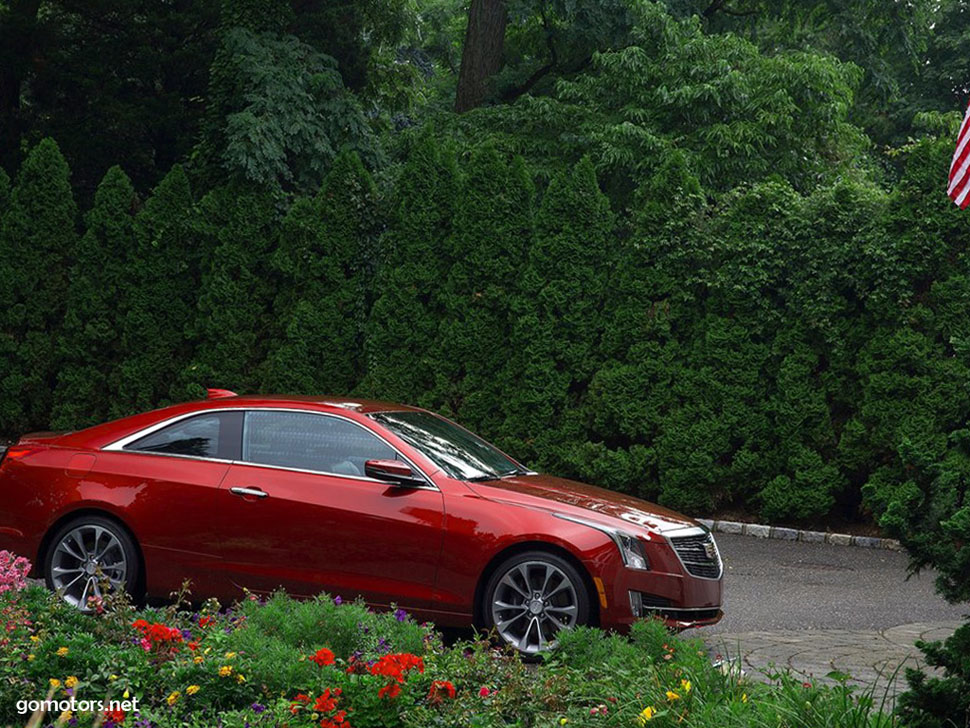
254 492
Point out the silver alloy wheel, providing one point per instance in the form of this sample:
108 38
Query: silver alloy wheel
83 560
531 603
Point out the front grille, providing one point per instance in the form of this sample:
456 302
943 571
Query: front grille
693 553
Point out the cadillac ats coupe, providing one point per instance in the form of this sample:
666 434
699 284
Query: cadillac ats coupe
389 503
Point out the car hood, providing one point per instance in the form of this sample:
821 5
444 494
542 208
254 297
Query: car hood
571 498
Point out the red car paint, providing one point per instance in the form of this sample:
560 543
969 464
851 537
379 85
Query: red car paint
428 550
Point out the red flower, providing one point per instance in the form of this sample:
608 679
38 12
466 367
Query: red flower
327 701
356 666
484 692
206 621
391 690
298 702
339 720
115 716
323 657
193 645
440 689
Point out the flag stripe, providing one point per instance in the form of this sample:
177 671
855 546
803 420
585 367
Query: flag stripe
958 187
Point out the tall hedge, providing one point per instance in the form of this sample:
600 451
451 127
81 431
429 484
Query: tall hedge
90 345
164 273
38 237
414 261
555 344
323 276
488 246
229 327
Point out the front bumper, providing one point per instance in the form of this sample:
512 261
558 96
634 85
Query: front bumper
667 591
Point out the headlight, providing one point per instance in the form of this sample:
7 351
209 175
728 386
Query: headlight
631 548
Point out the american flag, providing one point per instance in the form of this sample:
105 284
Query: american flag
959 186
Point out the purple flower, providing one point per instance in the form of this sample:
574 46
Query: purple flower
257 708
186 635
400 615
337 600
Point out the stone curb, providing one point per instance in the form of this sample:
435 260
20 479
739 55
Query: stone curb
793 534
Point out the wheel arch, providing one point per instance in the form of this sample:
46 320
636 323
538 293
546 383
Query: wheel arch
522 547
45 543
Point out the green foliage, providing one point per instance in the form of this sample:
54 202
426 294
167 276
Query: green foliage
555 339
250 663
280 112
37 244
323 280
232 315
491 235
163 276
403 323
90 345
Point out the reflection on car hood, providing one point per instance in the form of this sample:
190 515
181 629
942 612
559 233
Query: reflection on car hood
570 497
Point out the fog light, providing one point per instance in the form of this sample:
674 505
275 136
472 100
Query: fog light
636 603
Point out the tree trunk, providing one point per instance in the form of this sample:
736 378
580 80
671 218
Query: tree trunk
481 56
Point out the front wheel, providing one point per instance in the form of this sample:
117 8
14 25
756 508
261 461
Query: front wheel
87 554
531 597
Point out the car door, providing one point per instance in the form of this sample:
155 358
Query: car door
298 512
166 479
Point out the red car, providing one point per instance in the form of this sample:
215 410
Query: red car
390 503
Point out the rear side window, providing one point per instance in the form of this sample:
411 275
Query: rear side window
306 441
214 435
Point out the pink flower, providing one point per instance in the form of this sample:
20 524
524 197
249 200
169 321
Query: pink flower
13 572
145 644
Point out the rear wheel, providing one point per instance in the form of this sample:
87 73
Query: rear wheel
531 597
87 556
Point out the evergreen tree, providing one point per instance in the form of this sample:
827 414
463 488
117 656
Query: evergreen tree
491 235
37 243
231 319
555 345
403 321
322 281
164 273
90 342
4 192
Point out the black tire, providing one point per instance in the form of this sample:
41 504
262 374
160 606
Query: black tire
557 599
108 548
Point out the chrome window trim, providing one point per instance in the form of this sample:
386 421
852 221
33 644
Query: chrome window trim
695 531
119 445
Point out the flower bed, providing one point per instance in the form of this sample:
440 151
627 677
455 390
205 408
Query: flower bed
325 663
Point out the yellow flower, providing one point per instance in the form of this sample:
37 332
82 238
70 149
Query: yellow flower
71 682
744 697
55 683
31 657
240 678
225 671
112 678
230 655
671 695
34 638
198 659
126 694
65 716
685 685
62 652
646 714
563 721
192 689
173 698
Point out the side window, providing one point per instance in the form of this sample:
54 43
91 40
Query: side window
310 442
214 435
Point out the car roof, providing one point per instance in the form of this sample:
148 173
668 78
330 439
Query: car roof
364 406
104 433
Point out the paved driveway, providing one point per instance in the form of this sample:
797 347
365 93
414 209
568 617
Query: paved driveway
819 607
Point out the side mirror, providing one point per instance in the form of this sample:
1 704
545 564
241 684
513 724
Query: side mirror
393 471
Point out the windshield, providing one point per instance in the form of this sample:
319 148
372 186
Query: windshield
455 450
